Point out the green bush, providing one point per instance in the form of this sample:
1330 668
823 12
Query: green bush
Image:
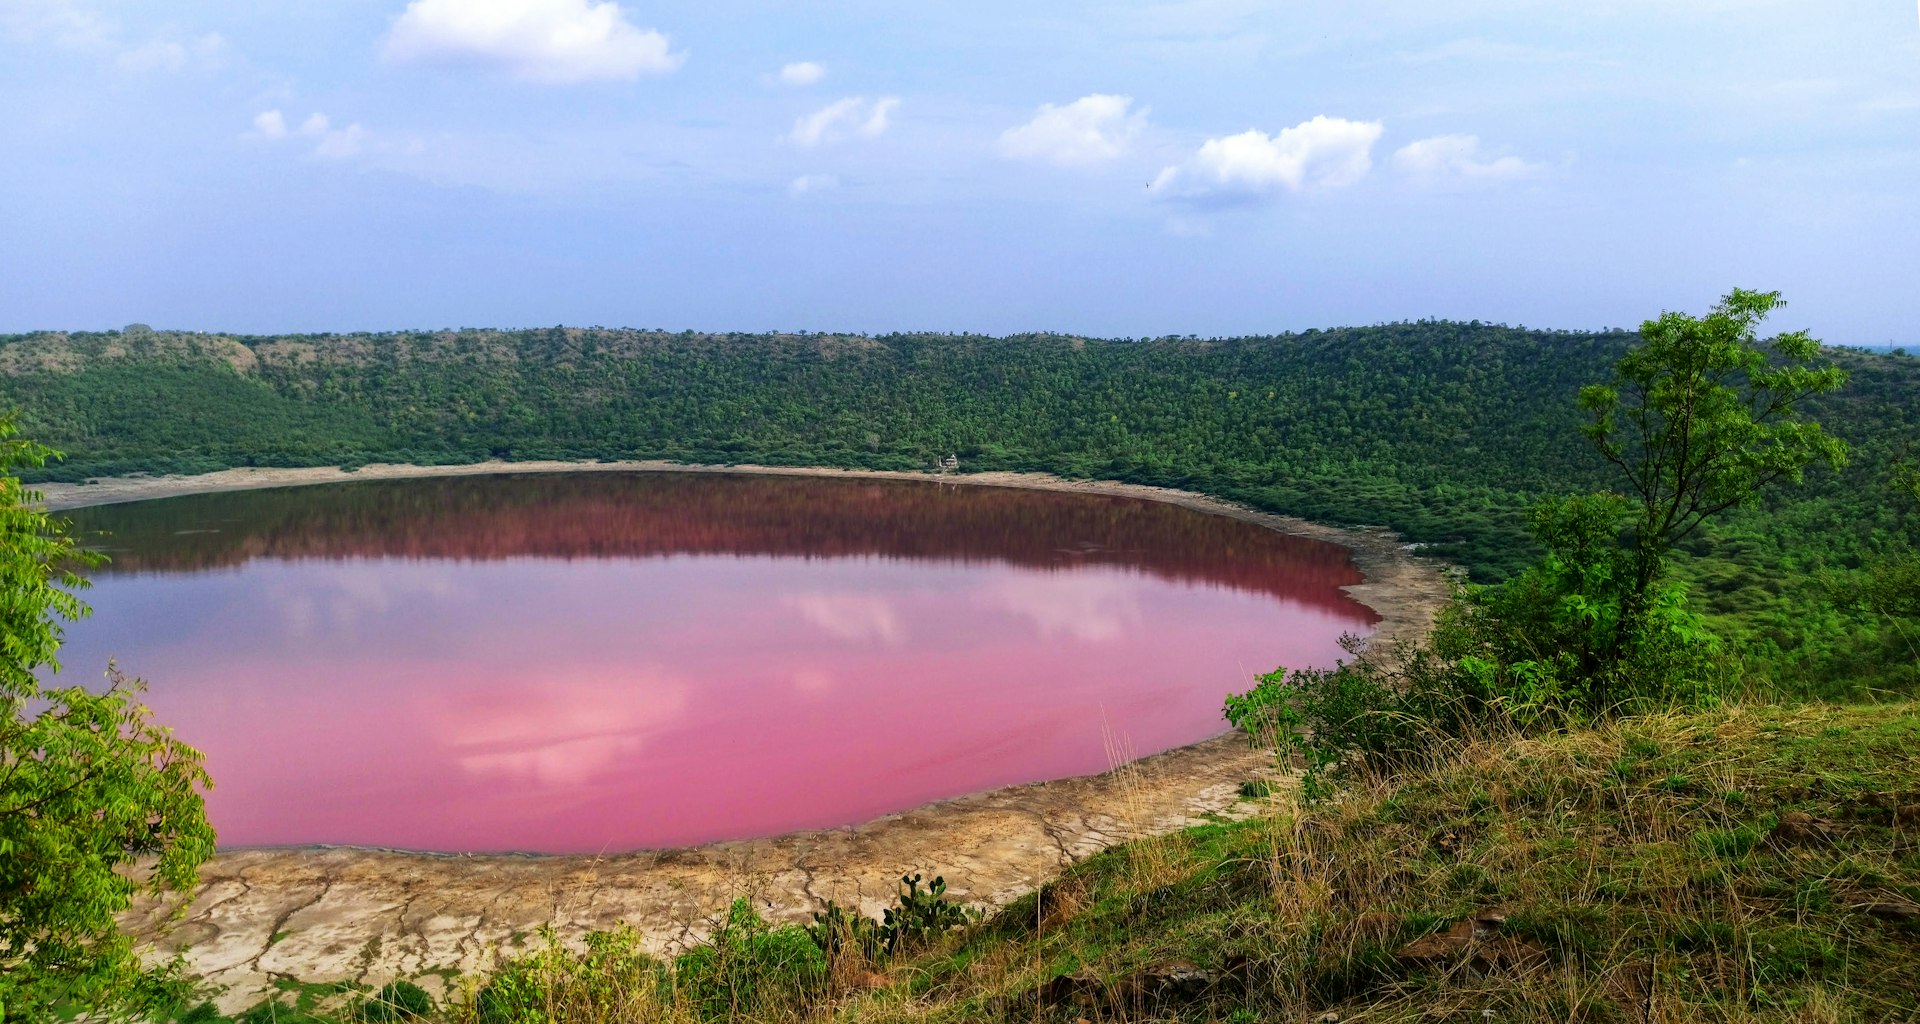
747 967
556 983
916 918
920 917
202 1013
398 1001
275 1012
1573 639
839 932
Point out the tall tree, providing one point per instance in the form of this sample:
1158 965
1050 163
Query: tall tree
97 802
1700 418
1702 415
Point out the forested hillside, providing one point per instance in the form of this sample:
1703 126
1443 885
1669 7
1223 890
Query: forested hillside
1443 431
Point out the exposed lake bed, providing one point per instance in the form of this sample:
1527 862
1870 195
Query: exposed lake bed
326 904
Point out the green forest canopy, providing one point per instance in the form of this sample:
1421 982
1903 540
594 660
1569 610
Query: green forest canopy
1443 431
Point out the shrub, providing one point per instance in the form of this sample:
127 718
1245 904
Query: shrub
201 1013
397 1001
1553 646
556 983
747 967
919 917
839 932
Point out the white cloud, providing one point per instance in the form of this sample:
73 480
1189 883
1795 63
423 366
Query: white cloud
69 25
802 73
1457 158
339 144
60 21
329 143
810 183
1089 130
843 119
879 117
557 41
1482 51
167 55
1324 153
270 124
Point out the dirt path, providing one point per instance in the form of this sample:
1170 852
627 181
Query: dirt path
328 914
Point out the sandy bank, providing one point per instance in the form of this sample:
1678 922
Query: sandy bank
338 913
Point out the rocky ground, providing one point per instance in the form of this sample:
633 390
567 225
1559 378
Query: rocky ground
320 915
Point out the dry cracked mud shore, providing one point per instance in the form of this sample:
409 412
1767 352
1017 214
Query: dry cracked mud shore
333 914
330 914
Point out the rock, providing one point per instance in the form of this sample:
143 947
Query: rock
1507 954
1476 939
1077 989
1438 948
1798 828
866 981
1057 902
1900 913
1173 982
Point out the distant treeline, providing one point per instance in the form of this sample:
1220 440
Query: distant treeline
1443 431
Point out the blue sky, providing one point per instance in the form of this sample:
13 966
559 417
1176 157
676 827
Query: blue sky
1109 168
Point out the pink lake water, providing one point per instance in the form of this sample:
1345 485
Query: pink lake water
600 662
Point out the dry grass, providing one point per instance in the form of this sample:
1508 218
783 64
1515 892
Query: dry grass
1742 866
1718 867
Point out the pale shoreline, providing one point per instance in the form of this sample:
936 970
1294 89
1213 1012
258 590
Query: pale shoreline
312 912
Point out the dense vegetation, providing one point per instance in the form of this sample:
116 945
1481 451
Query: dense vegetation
1548 809
97 802
1446 432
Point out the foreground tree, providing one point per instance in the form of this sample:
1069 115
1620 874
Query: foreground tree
97 803
1701 417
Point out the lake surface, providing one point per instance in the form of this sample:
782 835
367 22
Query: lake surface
602 662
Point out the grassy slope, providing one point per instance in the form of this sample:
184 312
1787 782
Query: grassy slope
1642 872
1743 865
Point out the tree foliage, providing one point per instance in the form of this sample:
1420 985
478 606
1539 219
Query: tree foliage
1446 432
1699 418
1887 585
1702 416
97 803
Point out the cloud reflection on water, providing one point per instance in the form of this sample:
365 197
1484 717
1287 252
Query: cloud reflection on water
1089 607
559 731
572 702
850 616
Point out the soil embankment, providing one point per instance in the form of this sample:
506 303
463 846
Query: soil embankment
327 914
